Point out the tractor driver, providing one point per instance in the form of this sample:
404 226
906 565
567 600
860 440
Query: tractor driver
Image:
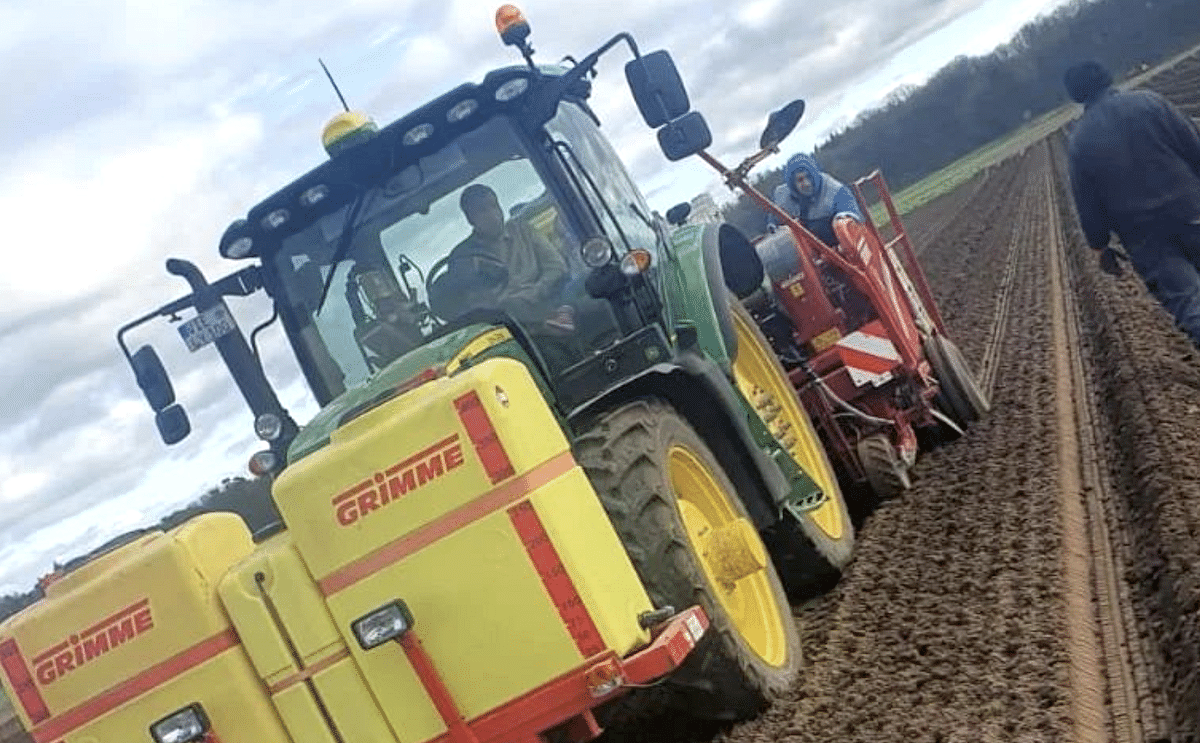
814 198
504 265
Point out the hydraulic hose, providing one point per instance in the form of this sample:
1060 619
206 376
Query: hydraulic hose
839 402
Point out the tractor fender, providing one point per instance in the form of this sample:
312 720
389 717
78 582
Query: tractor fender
710 260
701 391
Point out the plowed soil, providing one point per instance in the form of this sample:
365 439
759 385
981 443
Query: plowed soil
1039 582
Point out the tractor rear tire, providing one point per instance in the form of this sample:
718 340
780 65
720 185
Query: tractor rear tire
886 473
667 495
810 552
960 396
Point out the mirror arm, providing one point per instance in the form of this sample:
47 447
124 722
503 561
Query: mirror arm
241 283
562 85
169 310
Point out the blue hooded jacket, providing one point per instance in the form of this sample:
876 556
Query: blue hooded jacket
830 199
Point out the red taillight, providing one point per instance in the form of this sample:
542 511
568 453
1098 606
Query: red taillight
603 679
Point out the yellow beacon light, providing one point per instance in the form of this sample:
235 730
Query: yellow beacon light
346 129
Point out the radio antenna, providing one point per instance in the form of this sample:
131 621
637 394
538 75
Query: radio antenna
337 90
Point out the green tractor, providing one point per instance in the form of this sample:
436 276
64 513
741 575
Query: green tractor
509 350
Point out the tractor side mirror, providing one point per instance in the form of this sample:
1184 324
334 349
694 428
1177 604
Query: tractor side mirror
684 136
173 425
657 88
152 378
780 124
170 417
678 214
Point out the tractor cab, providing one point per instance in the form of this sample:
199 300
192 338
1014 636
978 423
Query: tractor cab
415 232
498 205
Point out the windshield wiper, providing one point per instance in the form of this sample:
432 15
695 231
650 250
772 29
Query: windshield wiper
344 242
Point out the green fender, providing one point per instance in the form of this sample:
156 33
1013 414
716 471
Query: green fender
706 262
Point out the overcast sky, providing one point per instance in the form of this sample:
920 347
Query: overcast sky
137 130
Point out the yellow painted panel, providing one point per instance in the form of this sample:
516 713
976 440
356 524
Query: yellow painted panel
277 570
300 612
240 594
482 614
478 345
593 555
409 462
302 716
398 693
351 705
450 550
141 605
226 686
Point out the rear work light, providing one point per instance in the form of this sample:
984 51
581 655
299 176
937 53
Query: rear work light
388 622
183 726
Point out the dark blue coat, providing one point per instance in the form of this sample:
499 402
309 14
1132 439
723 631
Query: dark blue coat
1135 167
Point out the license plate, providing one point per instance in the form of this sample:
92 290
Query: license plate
206 327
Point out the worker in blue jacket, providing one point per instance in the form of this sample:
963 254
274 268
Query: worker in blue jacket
1135 171
814 198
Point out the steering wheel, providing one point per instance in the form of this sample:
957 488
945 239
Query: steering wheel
435 272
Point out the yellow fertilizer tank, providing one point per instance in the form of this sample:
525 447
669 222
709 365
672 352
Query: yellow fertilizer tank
133 636
461 498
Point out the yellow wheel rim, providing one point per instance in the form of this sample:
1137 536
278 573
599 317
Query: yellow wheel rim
757 375
733 557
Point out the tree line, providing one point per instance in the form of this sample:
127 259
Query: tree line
974 100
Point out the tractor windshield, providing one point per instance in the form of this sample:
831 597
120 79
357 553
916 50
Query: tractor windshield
470 227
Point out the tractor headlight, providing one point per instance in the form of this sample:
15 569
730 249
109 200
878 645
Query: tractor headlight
417 134
386 623
462 110
275 219
184 726
268 426
314 195
596 252
240 248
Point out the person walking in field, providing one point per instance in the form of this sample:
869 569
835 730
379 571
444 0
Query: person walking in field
1134 160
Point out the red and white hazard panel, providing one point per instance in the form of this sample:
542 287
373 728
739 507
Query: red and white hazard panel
868 355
